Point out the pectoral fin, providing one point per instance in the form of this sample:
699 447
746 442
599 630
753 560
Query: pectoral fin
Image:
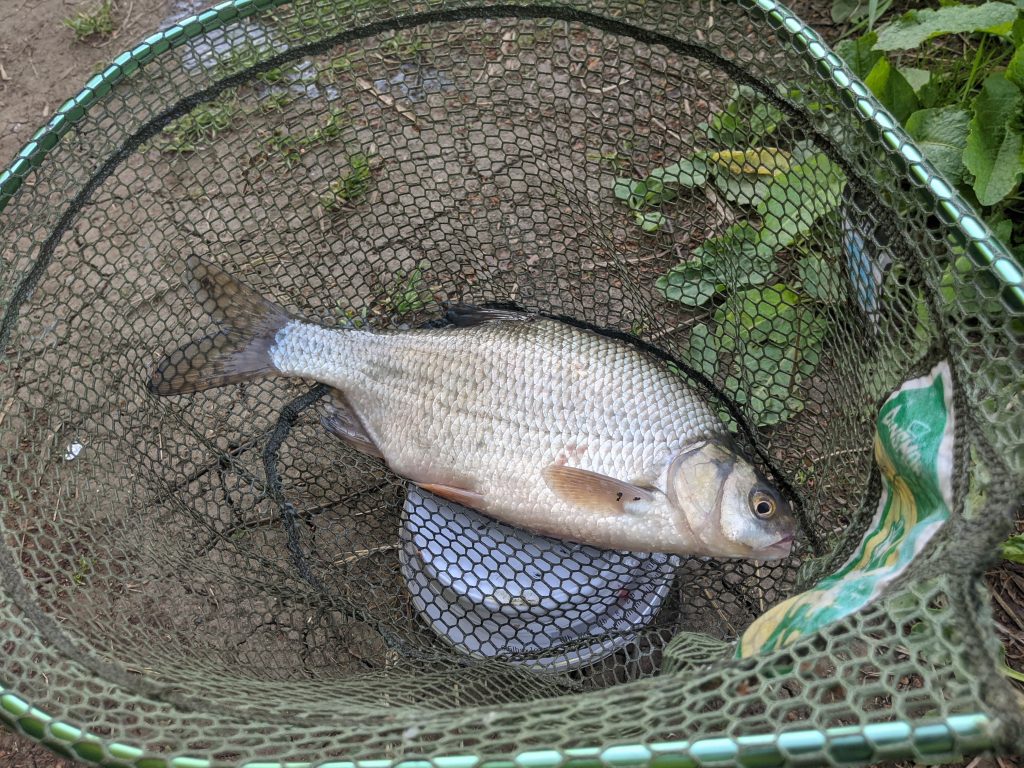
596 492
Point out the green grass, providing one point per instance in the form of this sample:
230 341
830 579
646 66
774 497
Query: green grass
201 125
275 102
82 571
96 22
404 46
346 61
291 148
330 131
249 54
411 291
349 188
285 146
241 57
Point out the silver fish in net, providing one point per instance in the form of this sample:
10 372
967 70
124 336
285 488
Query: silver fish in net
537 423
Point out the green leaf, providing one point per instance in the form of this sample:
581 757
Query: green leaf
688 172
972 290
701 354
747 189
860 55
916 78
914 27
691 283
766 381
660 186
1013 549
1017 31
623 188
796 200
744 176
892 89
746 119
757 314
994 143
1001 227
778 352
772 393
736 258
1015 69
739 256
941 135
820 280
760 161
639 194
650 221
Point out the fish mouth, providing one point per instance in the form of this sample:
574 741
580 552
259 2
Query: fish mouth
777 551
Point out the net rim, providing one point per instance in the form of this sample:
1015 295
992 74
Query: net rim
959 734
950 737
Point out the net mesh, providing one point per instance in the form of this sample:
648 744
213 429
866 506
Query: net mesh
218 575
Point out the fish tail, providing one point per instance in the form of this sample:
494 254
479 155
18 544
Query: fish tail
238 352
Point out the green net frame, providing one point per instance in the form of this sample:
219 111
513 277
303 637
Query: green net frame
95 668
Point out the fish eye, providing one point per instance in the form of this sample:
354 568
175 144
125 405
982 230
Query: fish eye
762 504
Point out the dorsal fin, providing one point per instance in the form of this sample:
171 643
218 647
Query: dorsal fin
466 315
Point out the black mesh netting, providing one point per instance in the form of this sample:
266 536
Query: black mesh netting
218 575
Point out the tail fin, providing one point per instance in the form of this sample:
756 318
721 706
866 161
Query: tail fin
240 351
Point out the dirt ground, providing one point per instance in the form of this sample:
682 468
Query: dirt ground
42 64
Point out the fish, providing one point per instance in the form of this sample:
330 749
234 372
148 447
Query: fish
538 423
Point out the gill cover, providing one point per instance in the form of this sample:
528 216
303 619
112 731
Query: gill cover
720 499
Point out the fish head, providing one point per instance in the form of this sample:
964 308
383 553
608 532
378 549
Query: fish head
727 505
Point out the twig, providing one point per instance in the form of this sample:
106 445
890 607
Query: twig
359 554
678 327
843 452
1008 609
6 409
719 611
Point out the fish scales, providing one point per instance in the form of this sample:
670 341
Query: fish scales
500 401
